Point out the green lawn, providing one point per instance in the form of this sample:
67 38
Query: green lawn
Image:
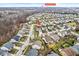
13 51
65 45
23 39
76 32
70 41
18 44
72 24
55 48
26 33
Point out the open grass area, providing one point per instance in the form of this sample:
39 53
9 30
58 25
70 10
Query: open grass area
13 51
72 24
55 48
70 41
65 45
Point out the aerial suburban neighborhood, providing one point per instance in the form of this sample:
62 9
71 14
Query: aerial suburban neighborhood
39 31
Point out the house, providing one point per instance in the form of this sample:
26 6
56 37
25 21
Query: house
15 38
7 46
77 19
52 54
77 38
37 45
62 33
43 29
49 28
55 37
3 53
76 48
77 28
19 35
21 32
67 52
66 27
48 39
33 52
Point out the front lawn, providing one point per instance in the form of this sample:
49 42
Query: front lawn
23 39
18 44
65 45
13 51
71 41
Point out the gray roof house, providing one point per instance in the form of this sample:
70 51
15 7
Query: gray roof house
4 53
55 37
33 52
76 48
7 46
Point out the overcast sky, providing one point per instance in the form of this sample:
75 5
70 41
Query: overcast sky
37 5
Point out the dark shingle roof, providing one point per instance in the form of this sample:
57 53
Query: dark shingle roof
8 45
16 38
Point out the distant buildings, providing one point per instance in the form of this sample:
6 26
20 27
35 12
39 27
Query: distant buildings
55 37
48 39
